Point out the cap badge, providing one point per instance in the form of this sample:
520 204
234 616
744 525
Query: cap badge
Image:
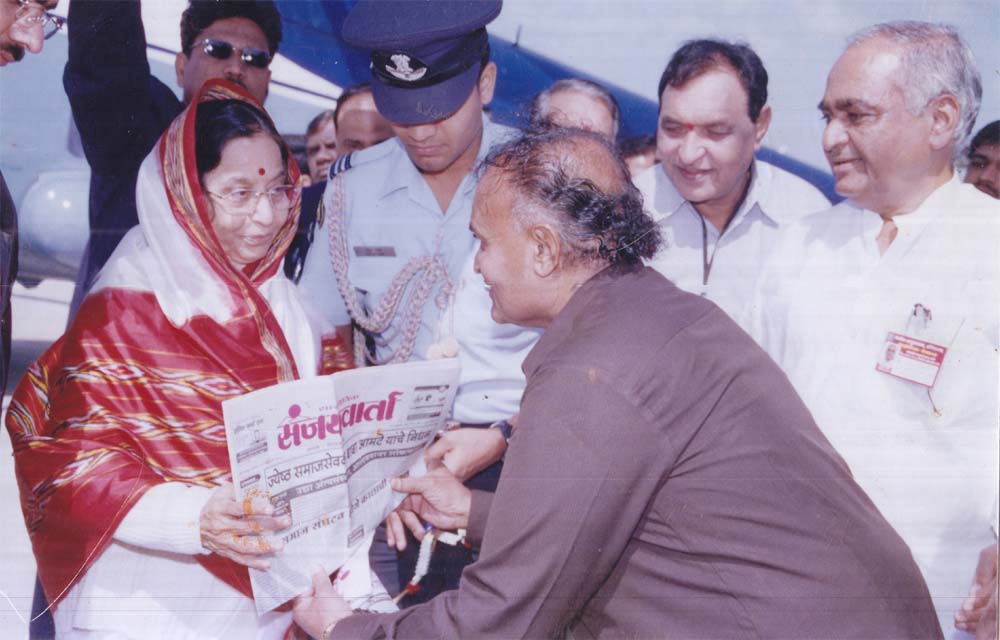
400 68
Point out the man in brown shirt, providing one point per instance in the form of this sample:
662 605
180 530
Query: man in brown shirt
664 481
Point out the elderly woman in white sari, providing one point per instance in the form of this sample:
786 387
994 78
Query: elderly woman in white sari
119 443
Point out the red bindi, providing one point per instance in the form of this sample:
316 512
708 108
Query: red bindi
261 171
687 126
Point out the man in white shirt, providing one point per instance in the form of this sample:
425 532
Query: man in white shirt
719 208
883 310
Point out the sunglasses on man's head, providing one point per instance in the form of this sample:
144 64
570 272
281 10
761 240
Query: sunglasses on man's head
221 50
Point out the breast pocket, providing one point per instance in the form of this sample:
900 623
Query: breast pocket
964 322
374 276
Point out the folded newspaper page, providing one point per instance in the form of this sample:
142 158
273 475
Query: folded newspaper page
323 450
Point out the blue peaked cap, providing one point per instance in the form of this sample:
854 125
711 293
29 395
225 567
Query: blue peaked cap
425 54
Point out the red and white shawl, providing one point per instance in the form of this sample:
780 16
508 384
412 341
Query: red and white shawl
131 395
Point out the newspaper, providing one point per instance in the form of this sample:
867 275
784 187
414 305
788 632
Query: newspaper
323 450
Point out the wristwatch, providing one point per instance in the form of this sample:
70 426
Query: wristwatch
506 429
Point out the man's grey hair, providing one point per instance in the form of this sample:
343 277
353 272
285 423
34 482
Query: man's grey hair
935 62
576 181
540 109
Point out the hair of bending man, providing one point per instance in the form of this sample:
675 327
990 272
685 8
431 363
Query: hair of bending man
696 57
935 62
575 181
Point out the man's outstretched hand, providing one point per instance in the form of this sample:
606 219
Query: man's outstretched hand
466 451
437 498
978 614
321 608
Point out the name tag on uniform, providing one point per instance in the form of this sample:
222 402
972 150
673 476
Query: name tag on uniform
375 252
911 359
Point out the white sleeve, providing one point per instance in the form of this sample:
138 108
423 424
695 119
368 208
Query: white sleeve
166 518
318 284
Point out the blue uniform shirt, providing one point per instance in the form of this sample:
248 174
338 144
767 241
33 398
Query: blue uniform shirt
392 216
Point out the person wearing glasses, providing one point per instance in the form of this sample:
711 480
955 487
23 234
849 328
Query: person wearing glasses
120 109
24 26
664 480
121 454
908 259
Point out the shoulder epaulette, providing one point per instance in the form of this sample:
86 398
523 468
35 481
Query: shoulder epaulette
363 156
342 164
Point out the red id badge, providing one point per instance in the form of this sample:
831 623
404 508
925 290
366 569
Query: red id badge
911 359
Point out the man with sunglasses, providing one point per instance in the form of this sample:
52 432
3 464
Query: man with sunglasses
24 26
120 109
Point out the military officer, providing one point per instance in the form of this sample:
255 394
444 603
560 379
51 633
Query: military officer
394 255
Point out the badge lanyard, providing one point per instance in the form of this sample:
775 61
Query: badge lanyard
920 318
918 322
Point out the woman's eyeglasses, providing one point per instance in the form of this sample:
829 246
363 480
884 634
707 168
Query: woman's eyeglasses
31 13
244 202
221 50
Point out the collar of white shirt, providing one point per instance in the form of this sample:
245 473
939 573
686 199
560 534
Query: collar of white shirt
667 200
911 225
